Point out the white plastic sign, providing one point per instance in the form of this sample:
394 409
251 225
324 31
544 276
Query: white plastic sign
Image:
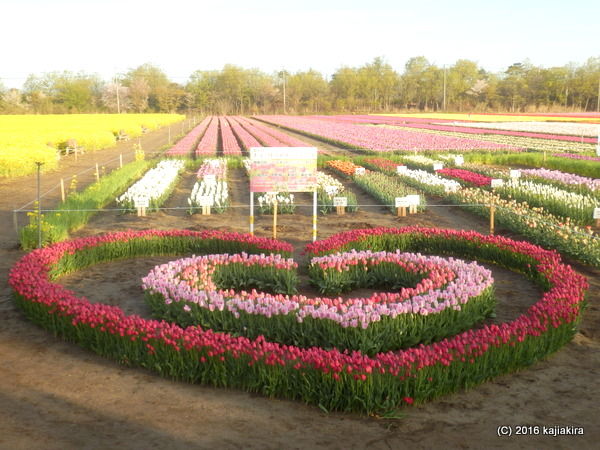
141 202
210 179
359 171
438 166
206 200
515 173
340 201
459 160
596 213
497 182
402 202
401 169
413 200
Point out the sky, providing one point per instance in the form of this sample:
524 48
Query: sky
112 36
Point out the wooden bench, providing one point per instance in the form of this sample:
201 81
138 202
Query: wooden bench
72 147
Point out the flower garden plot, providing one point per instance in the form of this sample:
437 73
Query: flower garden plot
430 298
330 378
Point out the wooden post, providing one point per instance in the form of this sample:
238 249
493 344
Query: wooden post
492 222
544 155
97 173
275 219
314 233
401 211
16 221
340 210
206 210
121 161
62 189
597 223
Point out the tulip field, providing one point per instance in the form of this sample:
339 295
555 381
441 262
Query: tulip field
382 311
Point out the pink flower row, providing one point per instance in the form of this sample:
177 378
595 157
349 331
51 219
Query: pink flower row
474 178
185 145
229 142
381 139
449 283
208 144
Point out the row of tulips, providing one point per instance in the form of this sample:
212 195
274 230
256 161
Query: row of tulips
386 188
421 162
247 140
345 168
591 184
540 226
377 138
448 296
534 223
467 176
577 207
327 377
285 138
211 185
210 140
186 144
580 157
328 188
228 141
155 186
580 130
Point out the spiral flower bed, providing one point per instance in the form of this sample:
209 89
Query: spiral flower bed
449 296
334 379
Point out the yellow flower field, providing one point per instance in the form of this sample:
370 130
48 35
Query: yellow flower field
25 139
495 117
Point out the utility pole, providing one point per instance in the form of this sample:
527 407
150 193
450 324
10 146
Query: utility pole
598 106
282 73
118 88
444 103
39 205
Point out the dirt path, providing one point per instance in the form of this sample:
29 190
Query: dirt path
54 395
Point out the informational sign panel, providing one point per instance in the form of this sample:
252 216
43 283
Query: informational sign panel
206 200
402 202
209 179
438 166
283 169
515 173
596 213
340 201
459 160
359 171
401 169
497 182
414 199
141 202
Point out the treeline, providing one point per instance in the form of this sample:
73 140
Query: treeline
373 87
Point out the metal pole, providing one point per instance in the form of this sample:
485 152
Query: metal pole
284 105
39 208
252 213
314 216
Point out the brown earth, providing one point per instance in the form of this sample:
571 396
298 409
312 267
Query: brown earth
56 395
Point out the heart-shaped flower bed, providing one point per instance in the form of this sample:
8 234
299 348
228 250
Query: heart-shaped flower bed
448 296
334 379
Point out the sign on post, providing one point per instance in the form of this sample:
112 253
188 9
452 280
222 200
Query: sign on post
340 204
283 169
438 166
459 160
359 171
141 203
209 178
497 182
515 173
401 169
401 204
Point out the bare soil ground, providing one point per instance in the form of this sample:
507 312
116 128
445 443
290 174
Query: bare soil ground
56 395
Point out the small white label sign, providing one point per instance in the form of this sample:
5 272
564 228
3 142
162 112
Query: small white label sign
340 201
438 166
596 213
206 200
515 173
210 179
413 200
497 182
359 171
401 169
141 202
402 202
459 160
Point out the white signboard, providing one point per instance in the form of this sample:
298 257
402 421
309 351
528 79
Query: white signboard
283 169
209 179
401 169
596 213
402 202
438 166
206 200
141 202
515 174
459 160
359 171
413 200
497 182
340 201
